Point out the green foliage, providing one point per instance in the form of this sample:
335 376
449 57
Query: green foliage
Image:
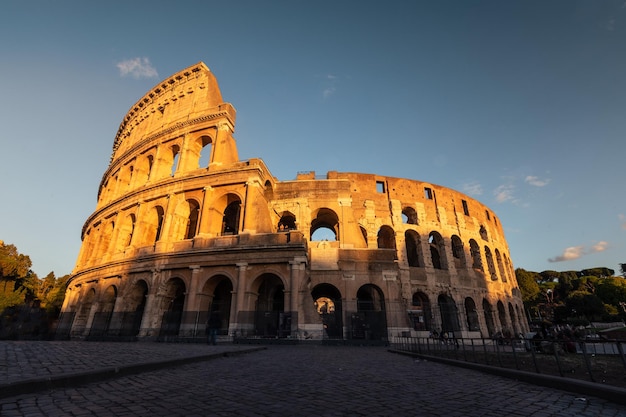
9 296
574 296
599 272
13 265
584 304
528 285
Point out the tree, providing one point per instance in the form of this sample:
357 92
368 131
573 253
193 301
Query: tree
14 268
13 264
527 282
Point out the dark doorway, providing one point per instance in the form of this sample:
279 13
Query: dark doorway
328 304
270 318
369 322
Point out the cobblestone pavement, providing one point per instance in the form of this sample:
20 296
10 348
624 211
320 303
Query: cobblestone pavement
300 380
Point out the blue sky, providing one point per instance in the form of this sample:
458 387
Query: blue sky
519 104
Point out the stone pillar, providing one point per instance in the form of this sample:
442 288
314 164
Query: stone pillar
191 326
298 266
237 320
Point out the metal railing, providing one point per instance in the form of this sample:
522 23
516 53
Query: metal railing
588 359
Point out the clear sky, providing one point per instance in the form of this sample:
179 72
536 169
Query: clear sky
519 104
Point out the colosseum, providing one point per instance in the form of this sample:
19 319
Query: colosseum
184 234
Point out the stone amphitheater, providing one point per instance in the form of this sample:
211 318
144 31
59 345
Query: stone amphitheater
185 237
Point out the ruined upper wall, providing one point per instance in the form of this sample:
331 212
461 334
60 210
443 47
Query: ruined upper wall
188 97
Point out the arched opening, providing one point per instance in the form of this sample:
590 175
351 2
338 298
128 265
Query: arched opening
102 318
437 251
287 222
325 226
192 220
172 307
475 252
370 321
327 299
413 248
449 314
154 225
420 312
270 318
488 312
216 304
483 233
502 316
409 215
175 157
136 304
490 265
457 252
472 315
83 312
386 238
204 158
513 319
230 221
500 266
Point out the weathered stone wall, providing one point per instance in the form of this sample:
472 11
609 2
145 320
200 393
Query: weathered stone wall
183 228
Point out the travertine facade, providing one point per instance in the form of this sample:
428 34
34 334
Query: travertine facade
182 228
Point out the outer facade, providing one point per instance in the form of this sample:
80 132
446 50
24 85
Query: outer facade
184 231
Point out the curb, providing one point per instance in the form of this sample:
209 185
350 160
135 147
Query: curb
67 380
606 392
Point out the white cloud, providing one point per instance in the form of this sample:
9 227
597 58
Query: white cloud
472 188
569 254
504 193
575 252
137 68
329 92
536 181
599 247
622 220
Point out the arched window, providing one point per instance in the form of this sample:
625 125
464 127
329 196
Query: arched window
131 231
483 233
409 215
159 226
192 219
457 252
490 265
386 238
230 222
287 222
420 312
413 248
475 251
472 315
325 226
500 266
204 158
175 156
437 251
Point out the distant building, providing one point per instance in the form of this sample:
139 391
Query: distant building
183 228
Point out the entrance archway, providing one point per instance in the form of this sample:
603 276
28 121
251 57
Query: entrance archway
449 314
173 304
328 304
136 306
270 319
102 318
217 307
488 311
370 321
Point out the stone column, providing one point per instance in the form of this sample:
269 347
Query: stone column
237 320
298 266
